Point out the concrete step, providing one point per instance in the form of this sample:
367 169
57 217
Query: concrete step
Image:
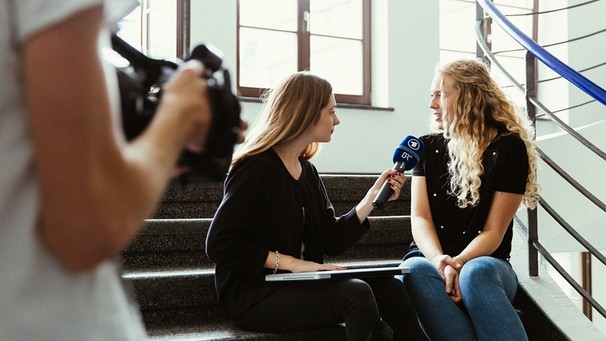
168 244
173 280
179 244
201 200
176 298
221 331
172 299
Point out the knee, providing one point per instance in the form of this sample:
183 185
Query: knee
420 269
384 283
478 270
495 275
417 263
356 290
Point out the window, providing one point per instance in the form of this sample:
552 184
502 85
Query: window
328 37
158 28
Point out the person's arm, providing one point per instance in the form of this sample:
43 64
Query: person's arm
511 174
423 229
396 180
504 206
96 189
283 262
502 210
426 238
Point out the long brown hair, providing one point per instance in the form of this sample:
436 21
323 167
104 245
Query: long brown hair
290 109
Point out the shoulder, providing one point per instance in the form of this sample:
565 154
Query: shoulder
433 139
436 143
433 154
511 139
309 167
259 166
509 154
265 158
512 143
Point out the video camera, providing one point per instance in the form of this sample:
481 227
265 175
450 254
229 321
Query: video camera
140 91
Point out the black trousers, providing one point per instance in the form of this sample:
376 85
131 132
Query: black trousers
372 309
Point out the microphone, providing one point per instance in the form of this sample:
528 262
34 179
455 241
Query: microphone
405 157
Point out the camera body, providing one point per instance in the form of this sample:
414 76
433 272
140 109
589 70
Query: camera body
141 85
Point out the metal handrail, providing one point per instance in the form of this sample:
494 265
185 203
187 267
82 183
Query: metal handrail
543 55
595 149
568 278
572 181
596 92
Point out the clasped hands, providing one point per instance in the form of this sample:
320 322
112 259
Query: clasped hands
449 268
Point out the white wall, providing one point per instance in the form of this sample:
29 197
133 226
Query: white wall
405 51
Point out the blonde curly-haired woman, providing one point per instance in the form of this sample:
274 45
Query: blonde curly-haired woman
475 172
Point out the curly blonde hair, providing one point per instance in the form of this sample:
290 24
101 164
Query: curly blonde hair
290 109
481 104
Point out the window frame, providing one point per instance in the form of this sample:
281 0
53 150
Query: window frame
183 19
303 54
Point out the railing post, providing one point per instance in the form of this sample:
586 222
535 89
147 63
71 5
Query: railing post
586 282
485 30
533 254
183 28
533 234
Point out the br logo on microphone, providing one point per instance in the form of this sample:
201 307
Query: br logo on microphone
414 144
405 157
413 147
409 152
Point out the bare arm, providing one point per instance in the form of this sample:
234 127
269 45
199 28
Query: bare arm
423 230
95 188
426 238
503 208
293 264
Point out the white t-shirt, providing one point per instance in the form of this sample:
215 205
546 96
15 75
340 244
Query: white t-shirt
39 300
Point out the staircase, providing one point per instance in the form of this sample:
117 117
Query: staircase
173 280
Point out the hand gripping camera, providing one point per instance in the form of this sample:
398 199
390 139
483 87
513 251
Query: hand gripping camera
140 86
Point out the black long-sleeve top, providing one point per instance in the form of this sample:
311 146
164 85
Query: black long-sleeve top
505 163
264 209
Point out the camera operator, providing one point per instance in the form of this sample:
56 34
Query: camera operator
73 191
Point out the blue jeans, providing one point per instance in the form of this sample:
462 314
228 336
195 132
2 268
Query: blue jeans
488 286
